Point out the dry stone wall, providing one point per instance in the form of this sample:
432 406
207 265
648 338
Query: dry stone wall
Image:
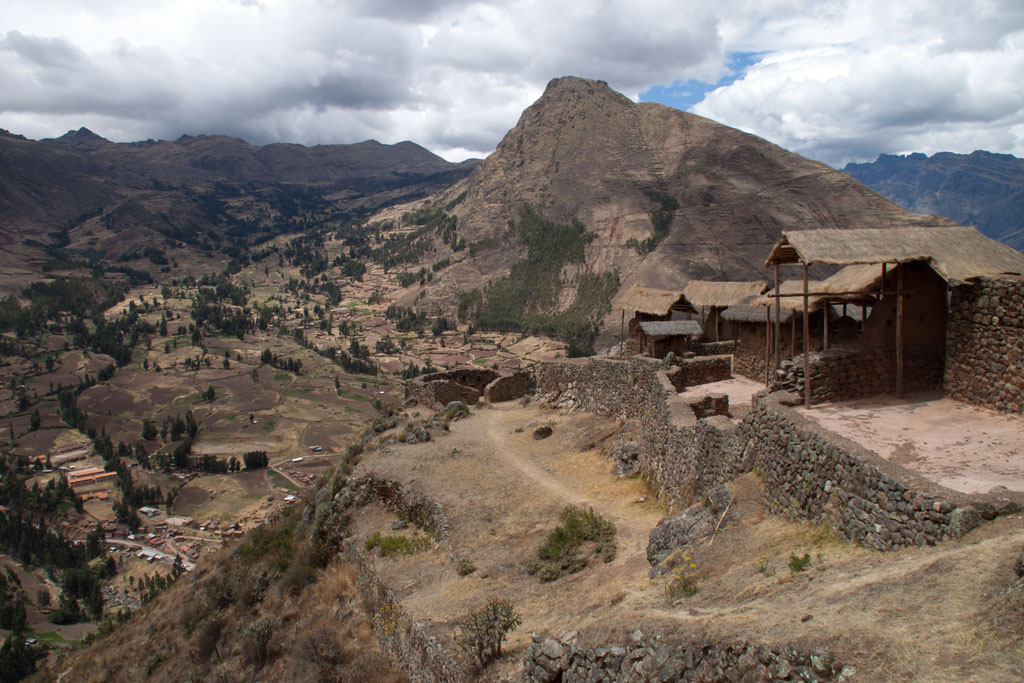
645 659
808 471
845 373
985 345
467 385
690 372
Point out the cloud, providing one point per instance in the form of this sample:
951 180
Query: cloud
835 81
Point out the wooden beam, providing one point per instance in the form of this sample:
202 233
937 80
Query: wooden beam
792 333
899 330
767 345
807 337
622 338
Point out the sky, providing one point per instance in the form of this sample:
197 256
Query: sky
836 81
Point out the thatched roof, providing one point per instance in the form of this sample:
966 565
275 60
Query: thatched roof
672 328
648 300
746 313
957 253
791 302
721 294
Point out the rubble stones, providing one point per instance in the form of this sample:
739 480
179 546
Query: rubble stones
654 660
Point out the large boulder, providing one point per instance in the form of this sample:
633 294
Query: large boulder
694 523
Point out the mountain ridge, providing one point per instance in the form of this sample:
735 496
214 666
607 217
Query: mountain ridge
983 189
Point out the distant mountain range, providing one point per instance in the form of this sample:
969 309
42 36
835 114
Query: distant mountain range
206 197
981 189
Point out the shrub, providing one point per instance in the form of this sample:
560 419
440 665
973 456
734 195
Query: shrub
683 583
798 564
257 639
482 632
465 566
560 552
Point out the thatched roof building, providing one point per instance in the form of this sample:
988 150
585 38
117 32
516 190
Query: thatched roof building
721 294
957 253
649 300
672 328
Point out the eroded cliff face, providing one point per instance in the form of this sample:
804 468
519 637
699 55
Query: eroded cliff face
586 152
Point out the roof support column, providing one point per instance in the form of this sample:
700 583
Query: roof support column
807 338
768 346
899 329
778 318
824 324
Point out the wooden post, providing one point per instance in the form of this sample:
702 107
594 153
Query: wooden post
884 267
863 316
778 318
767 346
792 336
807 337
718 322
825 310
622 333
899 329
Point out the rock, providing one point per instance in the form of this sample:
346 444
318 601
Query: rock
454 410
1018 567
399 524
542 432
677 531
627 458
552 648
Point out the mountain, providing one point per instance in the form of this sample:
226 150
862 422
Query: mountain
981 189
209 193
669 196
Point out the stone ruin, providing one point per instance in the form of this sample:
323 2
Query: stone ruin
469 385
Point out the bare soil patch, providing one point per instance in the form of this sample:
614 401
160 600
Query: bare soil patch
963 447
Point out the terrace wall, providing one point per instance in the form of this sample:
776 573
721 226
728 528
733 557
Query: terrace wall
985 345
808 471
846 373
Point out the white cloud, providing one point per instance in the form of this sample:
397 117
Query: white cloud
836 81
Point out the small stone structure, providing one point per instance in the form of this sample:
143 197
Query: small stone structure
689 372
467 385
642 659
985 345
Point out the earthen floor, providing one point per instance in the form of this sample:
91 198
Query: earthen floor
959 446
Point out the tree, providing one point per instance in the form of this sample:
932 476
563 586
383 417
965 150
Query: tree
148 430
482 632
210 394
255 460
34 420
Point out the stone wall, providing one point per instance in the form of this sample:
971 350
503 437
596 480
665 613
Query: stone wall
719 348
812 473
689 372
808 471
985 345
685 456
508 387
440 388
404 638
846 373
640 659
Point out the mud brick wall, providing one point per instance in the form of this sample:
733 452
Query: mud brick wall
642 659
815 474
844 373
985 345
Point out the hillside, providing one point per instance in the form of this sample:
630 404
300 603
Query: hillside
669 196
981 189
199 198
